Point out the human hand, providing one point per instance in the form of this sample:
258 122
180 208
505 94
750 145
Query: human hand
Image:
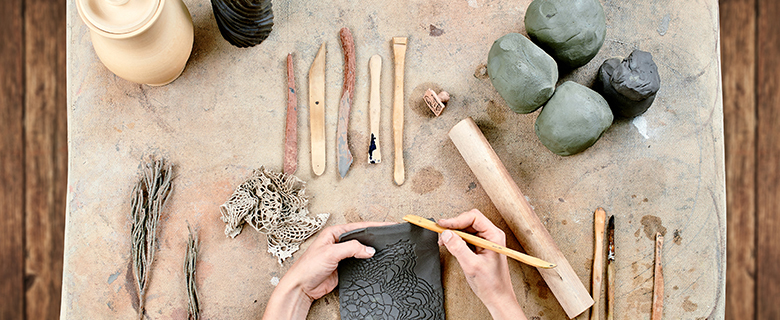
314 274
487 272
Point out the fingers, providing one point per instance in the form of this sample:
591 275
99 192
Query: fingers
350 249
458 248
476 220
332 233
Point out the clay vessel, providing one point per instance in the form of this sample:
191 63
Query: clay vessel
143 41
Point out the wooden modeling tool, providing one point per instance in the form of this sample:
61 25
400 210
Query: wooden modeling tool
291 130
344 155
611 268
658 280
525 224
479 242
374 107
399 52
598 258
317 111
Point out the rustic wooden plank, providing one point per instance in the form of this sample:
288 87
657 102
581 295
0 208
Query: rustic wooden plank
738 42
768 164
11 161
45 155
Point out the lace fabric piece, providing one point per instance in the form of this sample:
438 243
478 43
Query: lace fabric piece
274 204
401 281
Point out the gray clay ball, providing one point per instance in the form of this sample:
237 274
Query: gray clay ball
629 86
522 73
573 119
572 31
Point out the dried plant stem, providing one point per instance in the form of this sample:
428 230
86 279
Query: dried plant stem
189 275
149 198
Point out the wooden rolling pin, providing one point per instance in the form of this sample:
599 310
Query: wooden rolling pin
525 224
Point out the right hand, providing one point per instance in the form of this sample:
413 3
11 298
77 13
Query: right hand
487 272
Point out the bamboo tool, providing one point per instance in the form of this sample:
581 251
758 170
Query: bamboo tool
658 281
291 130
598 257
374 107
479 242
317 111
611 268
399 52
525 224
344 155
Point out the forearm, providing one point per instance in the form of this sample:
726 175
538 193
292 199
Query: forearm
287 301
506 308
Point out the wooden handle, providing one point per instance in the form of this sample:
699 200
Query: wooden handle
598 260
658 281
317 111
479 242
342 144
610 290
291 130
525 224
399 52
375 68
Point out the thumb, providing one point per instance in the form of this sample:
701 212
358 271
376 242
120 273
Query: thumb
352 248
457 247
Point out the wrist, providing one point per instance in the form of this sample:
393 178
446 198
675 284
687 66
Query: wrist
288 301
505 307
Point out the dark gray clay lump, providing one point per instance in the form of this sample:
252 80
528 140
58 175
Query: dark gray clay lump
573 120
572 31
522 73
629 86
244 23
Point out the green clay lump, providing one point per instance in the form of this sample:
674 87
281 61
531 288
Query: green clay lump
522 73
573 120
572 31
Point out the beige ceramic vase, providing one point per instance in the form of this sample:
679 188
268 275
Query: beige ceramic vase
144 41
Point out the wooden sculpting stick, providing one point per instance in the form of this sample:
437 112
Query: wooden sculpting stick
658 281
317 111
611 268
374 109
342 145
479 242
291 130
598 258
399 52
525 224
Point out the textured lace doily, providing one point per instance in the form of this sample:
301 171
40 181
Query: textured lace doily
274 204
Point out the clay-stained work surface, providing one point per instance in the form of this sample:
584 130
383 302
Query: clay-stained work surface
661 172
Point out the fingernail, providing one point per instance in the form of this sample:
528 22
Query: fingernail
370 250
446 235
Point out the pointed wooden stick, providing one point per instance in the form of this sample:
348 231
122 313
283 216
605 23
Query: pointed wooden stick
375 108
399 52
598 258
291 130
658 281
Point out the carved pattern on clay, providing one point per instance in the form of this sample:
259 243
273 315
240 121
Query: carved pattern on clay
274 204
386 287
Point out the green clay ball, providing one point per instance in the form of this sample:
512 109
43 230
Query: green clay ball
522 73
573 119
572 31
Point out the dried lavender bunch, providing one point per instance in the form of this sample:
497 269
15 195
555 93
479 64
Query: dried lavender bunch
149 197
189 275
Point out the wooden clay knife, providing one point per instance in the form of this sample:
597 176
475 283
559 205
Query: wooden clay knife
598 257
317 111
344 155
374 107
611 268
291 128
399 53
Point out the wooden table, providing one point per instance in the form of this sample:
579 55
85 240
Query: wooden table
225 116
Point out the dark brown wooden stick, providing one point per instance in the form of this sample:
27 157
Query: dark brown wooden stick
291 131
344 155
658 281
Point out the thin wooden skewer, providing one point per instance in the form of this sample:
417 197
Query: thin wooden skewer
611 268
399 53
479 242
598 258
658 281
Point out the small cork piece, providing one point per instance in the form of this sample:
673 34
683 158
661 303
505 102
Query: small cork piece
436 102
